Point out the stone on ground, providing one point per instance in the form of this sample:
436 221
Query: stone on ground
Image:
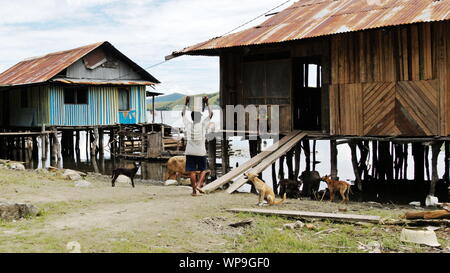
9 211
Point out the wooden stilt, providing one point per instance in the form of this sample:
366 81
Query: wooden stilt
427 162
375 173
419 157
212 157
253 147
274 178
94 142
225 155
307 149
358 180
101 136
281 175
88 143
436 149
405 161
289 162
334 159
447 162
44 145
298 157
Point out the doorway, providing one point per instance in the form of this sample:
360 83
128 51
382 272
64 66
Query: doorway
307 97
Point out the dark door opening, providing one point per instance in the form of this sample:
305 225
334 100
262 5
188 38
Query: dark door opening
307 97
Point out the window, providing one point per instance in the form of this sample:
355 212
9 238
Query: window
76 95
267 82
24 103
124 99
312 75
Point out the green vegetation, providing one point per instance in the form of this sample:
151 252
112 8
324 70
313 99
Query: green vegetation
164 105
267 236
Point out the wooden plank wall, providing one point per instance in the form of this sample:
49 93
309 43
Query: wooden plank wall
391 81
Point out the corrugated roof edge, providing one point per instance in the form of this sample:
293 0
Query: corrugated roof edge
202 52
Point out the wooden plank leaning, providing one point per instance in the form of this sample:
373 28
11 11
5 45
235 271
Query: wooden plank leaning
248 165
268 160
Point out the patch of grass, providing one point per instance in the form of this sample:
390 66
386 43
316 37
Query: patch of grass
266 237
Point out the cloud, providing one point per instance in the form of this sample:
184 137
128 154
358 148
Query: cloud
144 30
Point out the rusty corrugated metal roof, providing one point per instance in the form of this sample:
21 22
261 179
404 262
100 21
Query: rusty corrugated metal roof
101 82
44 68
314 18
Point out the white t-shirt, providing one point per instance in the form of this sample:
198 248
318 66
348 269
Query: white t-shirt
196 136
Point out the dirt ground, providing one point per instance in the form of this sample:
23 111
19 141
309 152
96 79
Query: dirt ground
155 218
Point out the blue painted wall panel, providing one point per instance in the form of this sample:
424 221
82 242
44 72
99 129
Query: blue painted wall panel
102 107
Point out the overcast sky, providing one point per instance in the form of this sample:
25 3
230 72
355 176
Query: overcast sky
144 30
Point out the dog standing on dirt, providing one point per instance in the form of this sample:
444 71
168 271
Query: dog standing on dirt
131 173
342 187
265 192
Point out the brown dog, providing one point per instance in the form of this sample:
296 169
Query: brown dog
337 186
265 192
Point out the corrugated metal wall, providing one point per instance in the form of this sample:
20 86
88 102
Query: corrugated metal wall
138 103
102 107
35 114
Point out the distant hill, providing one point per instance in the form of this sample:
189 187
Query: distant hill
169 98
169 102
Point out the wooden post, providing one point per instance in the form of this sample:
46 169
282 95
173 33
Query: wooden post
56 149
101 136
274 179
154 146
334 159
419 157
398 162
212 154
88 143
375 163
405 161
436 149
77 146
35 149
94 143
143 140
307 149
153 109
23 149
289 162
427 162
447 161
358 180
362 166
112 143
281 168
44 144
314 153
298 157
253 147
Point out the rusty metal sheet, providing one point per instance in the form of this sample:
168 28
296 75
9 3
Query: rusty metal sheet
314 18
101 82
42 69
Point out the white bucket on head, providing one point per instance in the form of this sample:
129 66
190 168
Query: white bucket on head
196 104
